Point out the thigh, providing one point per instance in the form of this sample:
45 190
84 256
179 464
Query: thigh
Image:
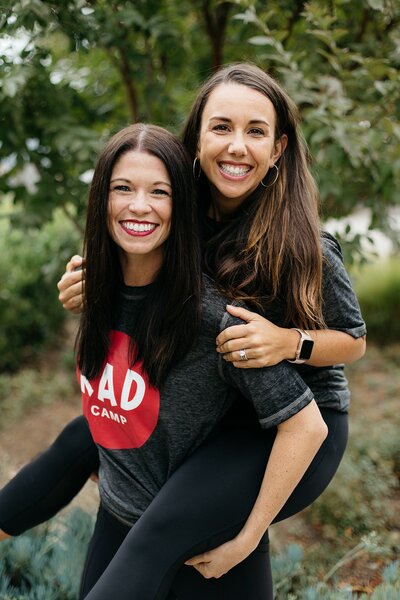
249 579
108 536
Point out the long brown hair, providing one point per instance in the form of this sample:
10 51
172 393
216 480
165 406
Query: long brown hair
271 250
170 315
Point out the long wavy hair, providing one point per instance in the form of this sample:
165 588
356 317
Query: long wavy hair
271 249
169 316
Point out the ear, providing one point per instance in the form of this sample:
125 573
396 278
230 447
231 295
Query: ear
280 147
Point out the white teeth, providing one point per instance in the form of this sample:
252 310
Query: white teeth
234 170
138 227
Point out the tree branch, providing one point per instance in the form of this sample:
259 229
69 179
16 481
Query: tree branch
215 28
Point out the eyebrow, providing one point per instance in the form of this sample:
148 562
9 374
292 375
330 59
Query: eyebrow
252 122
129 181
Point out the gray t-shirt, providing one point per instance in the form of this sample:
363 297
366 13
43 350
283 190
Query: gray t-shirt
144 434
341 312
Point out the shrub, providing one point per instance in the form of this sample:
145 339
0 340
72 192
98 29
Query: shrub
46 563
378 291
361 496
31 262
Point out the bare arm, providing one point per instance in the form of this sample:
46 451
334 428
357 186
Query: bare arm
298 440
70 286
267 344
3 535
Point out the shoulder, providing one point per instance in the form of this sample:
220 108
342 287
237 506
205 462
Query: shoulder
330 246
213 304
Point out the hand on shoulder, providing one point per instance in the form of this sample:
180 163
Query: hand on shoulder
70 286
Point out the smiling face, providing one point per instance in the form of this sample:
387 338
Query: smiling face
139 214
237 144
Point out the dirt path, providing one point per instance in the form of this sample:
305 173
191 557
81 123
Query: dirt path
23 440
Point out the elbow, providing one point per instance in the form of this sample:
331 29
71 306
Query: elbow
322 432
363 345
359 348
318 431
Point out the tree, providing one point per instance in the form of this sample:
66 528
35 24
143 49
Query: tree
91 66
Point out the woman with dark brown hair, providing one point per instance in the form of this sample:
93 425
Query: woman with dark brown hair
262 243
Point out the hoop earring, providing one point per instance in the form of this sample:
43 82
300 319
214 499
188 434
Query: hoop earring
274 181
197 175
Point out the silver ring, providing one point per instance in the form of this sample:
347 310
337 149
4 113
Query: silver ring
243 355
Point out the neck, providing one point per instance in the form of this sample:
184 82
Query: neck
139 271
222 209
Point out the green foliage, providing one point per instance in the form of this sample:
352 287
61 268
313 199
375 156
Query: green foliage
363 495
366 481
378 291
88 68
46 562
30 265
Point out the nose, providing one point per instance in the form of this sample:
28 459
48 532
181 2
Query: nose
139 203
238 144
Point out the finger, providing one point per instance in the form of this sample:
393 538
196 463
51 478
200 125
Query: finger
242 313
69 278
246 364
74 262
70 286
196 560
233 346
231 333
203 569
236 357
73 296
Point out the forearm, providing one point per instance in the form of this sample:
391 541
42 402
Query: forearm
296 444
330 347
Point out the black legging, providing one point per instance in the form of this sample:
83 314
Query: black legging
250 579
203 504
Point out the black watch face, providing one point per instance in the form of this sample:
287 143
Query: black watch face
306 349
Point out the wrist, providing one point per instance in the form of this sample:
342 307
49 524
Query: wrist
249 539
304 348
292 344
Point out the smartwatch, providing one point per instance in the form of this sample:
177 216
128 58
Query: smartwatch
304 349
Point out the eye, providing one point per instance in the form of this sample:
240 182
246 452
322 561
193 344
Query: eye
220 128
256 131
160 192
121 188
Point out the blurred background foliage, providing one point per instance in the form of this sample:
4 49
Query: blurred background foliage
87 67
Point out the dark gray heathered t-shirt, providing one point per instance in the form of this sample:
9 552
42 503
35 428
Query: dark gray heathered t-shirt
341 312
144 434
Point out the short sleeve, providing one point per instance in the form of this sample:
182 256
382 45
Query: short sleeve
277 393
340 305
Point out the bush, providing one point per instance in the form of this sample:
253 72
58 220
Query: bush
46 563
361 497
378 291
31 262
